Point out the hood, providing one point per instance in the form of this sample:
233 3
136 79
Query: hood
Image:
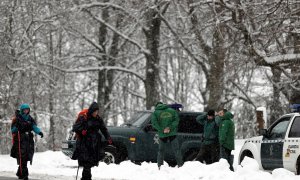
228 116
24 106
161 107
93 107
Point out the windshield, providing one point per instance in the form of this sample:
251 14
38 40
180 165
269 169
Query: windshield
138 119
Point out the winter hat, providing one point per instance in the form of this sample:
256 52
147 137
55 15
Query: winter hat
24 106
93 107
211 112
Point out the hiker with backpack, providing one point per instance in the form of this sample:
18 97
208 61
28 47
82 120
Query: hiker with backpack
23 144
165 120
89 149
209 150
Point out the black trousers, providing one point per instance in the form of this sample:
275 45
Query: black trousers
208 153
22 169
226 154
86 173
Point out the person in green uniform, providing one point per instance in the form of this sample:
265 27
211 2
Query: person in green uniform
226 136
165 120
209 150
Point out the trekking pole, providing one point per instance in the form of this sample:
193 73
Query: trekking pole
77 172
20 155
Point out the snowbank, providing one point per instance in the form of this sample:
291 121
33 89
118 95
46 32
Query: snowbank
56 164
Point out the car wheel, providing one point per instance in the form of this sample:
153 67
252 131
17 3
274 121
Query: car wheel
110 155
246 154
190 155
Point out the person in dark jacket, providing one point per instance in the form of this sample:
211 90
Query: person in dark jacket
209 150
226 136
165 120
89 150
23 144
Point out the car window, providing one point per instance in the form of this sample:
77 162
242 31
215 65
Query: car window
188 124
279 130
295 129
138 119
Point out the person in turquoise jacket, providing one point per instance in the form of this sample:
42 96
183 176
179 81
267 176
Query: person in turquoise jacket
209 150
165 120
23 144
226 136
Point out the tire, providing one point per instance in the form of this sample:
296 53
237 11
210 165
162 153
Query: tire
190 155
110 155
122 153
246 154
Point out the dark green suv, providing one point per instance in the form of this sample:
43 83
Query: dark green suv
138 140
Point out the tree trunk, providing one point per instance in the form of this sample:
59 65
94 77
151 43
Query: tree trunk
216 61
295 70
102 80
215 79
110 73
275 108
52 145
152 33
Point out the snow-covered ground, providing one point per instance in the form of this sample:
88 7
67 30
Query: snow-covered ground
55 165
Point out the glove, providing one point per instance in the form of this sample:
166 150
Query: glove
109 140
41 134
83 132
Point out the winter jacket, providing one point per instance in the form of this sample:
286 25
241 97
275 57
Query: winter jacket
89 148
164 117
21 128
226 131
25 117
211 128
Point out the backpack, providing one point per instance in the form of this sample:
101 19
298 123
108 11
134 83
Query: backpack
83 113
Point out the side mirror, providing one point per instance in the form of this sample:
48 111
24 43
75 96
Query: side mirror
263 132
148 128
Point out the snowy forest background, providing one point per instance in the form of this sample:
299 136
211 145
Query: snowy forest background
60 55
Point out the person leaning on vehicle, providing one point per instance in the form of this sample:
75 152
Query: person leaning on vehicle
23 144
165 120
226 136
89 150
209 151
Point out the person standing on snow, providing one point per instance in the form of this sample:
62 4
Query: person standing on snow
89 150
209 151
226 136
165 120
23 144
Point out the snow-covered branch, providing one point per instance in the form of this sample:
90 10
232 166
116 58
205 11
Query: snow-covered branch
96 45
110 5
100 68
282 58
183 44
99 19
